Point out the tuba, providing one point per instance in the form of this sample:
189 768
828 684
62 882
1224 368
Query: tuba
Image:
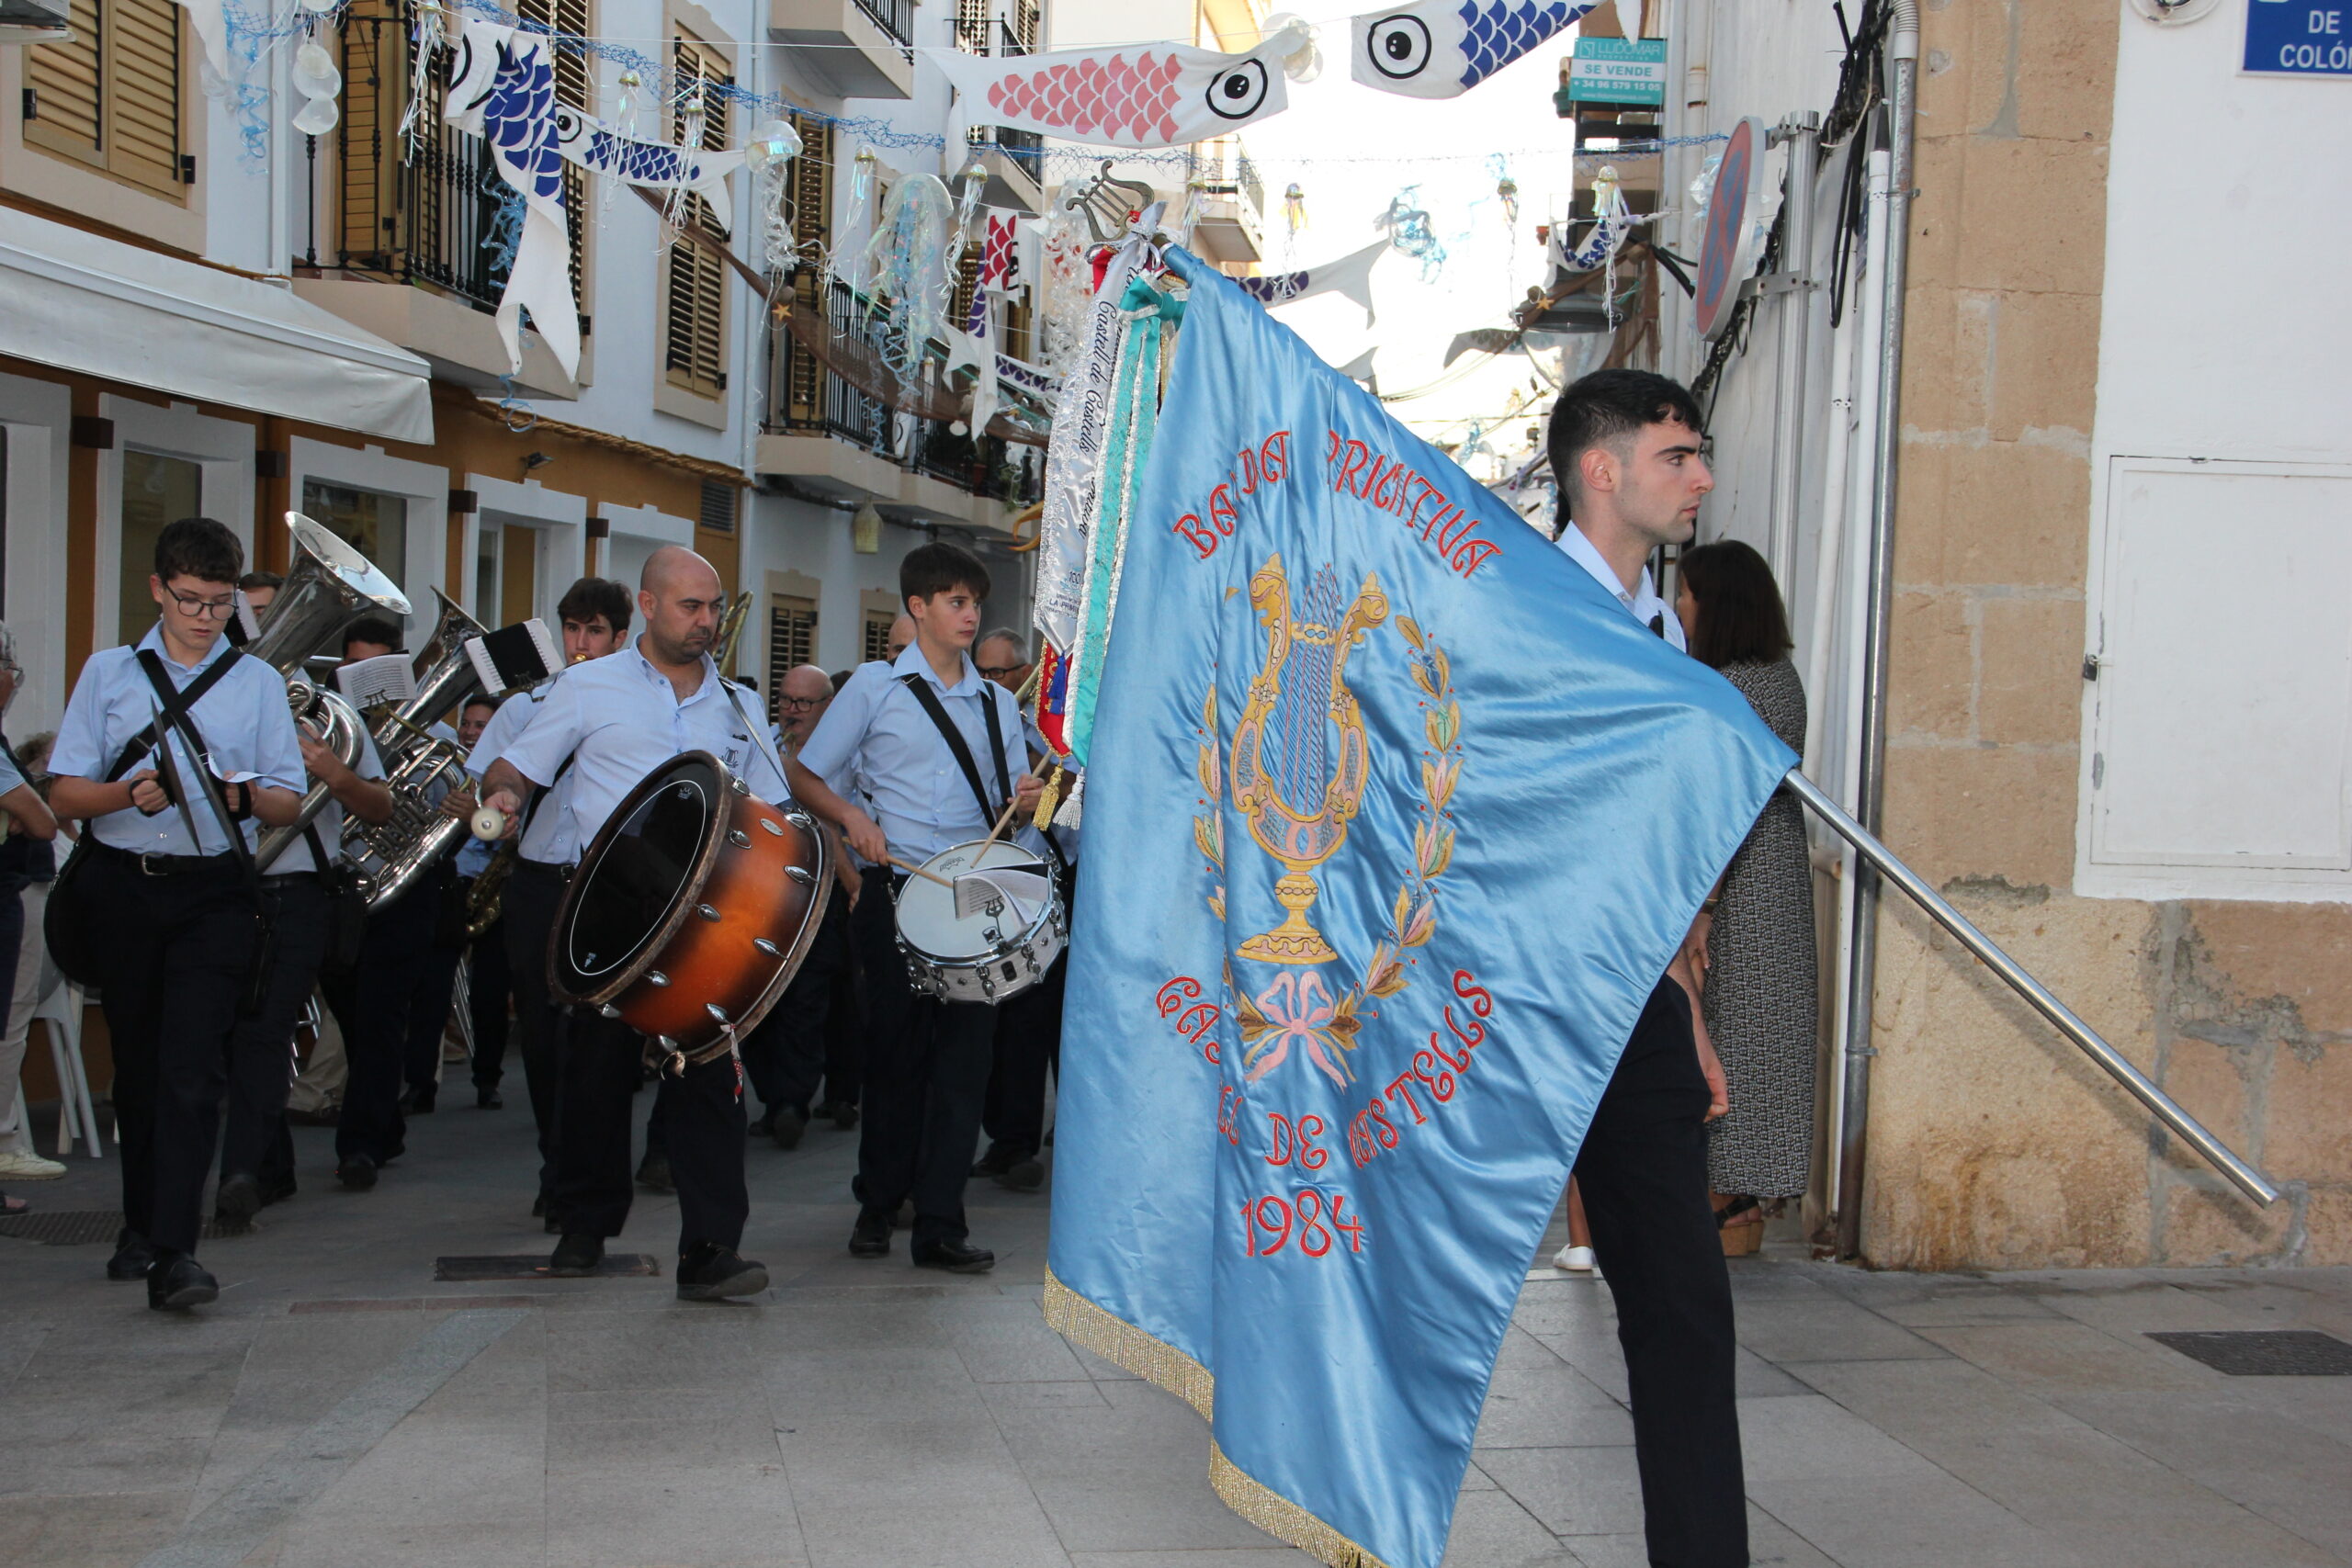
392 855
330 586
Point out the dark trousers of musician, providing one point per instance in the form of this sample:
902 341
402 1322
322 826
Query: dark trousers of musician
603 1063
532 895
488 995
1642 1174
845 1029
1028 1043
926 1074
175 948
261 1048
373 1004
785 1054
428 1015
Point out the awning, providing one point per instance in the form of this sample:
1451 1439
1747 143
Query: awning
79 301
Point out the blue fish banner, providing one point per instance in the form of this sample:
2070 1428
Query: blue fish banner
1394 817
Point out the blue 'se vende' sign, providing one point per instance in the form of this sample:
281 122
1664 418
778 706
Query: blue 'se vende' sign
2298 38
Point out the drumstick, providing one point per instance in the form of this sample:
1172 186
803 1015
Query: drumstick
998 831
917 871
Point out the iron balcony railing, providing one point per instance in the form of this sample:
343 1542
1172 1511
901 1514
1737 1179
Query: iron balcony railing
1026 148
893 17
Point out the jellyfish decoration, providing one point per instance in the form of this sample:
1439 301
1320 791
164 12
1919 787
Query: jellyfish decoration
905 259
770 151
319 84
1295 206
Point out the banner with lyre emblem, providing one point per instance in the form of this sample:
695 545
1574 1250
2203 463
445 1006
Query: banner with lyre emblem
1394 817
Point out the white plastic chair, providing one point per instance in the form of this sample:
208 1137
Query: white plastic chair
61 1006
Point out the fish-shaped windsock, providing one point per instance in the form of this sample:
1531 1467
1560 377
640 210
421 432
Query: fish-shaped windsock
502 88
1441 49
1130 96
655 165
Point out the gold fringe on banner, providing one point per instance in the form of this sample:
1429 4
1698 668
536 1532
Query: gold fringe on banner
1115 1339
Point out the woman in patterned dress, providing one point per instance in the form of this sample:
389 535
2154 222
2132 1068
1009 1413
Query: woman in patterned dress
1762 998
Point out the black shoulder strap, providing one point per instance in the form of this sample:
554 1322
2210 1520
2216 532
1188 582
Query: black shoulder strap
175 704
914 683
184 722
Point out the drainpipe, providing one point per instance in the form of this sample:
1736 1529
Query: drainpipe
1801 134
1902 91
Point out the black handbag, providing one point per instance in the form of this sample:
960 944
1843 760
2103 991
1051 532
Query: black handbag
75 940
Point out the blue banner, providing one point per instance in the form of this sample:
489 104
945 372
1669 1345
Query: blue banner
1393 820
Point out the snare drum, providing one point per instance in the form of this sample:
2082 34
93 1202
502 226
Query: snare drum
691 911
986 956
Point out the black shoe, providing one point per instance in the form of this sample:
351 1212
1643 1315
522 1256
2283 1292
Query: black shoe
552 1226
539 1207
357 1172
488 1100
842 1112
653 1174
1025 1176
785 1125
177 1282
997 1161
711 1273
276 1189
133 1256
418 1102
870 1236
763 1127
237 1201
956 1256
576 1254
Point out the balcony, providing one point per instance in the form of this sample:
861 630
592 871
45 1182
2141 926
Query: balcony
856 49
834 438
1231 226
1015 161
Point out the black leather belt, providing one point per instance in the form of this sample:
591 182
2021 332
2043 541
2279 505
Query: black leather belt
545 868
288 878
153 865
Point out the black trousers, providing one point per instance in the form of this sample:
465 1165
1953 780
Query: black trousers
704 1106
926 1074
488 994
785 1054
261 1048
532 893
1643 1175
428 1018
845 1029
175 948
1028 1042
373 1004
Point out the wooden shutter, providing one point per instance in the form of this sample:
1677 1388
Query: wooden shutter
696 353
575 86
809 182
368 154
111 97
143 93
792 642
968 281
1015 324
67 99
877 633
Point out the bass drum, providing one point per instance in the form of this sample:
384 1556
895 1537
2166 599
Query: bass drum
691 911
988 956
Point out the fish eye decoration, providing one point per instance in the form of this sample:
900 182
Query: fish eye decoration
1441 49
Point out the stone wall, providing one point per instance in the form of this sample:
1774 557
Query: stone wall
1994 1143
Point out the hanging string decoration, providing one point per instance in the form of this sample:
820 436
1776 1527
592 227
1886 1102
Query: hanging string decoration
502 89
1410 231
427 35
905 259
1441 49
1611 222
770 153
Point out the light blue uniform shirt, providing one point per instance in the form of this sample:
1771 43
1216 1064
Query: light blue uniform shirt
9 777
549 838
1643 604
618 718
244 719
877 732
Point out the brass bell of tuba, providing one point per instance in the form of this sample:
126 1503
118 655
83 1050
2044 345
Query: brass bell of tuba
329 587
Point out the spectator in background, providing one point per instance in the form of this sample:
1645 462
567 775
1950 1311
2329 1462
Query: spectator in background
1756 945
801 701
902 636
26 868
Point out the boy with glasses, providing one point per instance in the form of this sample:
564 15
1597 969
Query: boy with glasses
166 899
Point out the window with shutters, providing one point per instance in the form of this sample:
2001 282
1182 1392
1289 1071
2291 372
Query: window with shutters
1014 335
111 97
968 283
717 506
809 182
877 633
695 346
792 642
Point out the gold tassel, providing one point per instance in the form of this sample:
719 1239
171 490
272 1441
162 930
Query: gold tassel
1162 1365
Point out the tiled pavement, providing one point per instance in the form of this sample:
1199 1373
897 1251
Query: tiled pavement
334 1410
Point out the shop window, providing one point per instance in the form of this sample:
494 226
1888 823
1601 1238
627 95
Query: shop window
368 520
156 489
110 97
